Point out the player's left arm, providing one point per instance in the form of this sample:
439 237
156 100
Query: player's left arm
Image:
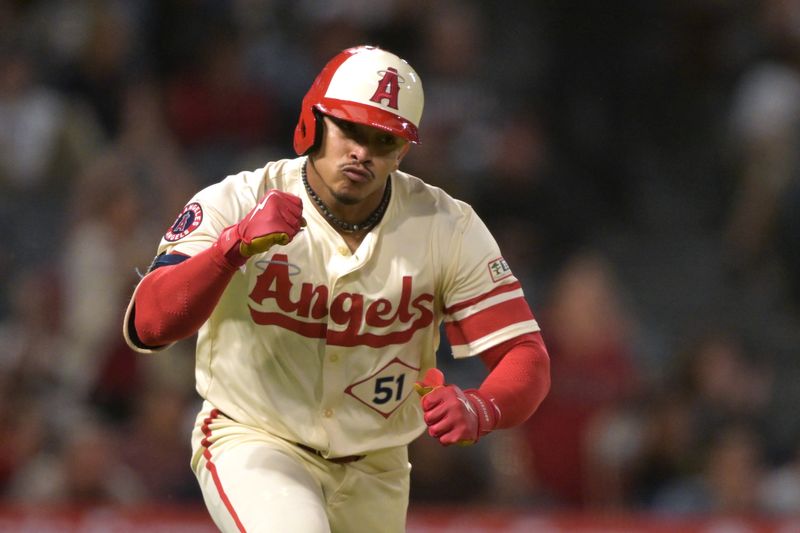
486 314
518 381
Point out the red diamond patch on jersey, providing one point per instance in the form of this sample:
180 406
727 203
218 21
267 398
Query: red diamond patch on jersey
385 390
188 221
499 269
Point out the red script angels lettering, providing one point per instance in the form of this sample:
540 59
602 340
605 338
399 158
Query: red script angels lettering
351 310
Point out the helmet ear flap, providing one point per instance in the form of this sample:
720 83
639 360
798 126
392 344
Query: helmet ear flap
307 132
319 124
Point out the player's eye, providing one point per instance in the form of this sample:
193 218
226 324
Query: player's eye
345 126
387 139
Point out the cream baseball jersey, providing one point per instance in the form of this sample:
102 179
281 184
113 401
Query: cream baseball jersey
322 346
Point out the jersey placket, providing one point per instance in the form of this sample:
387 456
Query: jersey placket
342 268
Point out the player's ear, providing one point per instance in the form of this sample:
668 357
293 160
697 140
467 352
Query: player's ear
402 154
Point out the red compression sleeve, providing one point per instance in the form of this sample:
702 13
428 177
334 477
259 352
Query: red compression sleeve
519 379
172 302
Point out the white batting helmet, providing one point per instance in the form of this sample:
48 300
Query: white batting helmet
366 85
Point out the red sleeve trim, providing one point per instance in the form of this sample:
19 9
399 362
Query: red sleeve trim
488 320
472 301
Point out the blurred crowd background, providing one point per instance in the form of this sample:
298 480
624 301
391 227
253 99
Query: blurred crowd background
638 162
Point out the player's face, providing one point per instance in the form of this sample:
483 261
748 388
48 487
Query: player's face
354 161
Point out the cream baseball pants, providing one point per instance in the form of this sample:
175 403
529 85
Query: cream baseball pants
253 481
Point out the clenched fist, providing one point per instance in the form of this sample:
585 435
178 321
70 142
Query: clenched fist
455 416
276 219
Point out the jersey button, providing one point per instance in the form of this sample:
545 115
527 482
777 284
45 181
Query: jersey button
334 358
327 413
344 250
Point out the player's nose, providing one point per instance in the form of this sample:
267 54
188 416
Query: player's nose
360 150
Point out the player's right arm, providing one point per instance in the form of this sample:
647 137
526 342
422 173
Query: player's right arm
180 292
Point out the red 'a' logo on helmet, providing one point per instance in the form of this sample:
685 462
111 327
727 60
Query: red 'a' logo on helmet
388 88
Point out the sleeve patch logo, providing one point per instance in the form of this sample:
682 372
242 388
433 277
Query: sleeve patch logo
499 269
188 221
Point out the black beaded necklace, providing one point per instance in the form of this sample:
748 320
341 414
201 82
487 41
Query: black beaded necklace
370 222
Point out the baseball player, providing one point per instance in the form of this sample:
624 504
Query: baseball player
317 286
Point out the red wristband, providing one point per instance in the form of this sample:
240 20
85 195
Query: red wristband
228 243
487 410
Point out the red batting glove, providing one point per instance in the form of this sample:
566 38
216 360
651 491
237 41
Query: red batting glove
276 219
454 416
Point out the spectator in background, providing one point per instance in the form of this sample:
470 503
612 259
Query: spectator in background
724 382
779 494
459 101
728 482
594 374
216 111
154 445
84 470
44 139
705 421
96 274
31 117
764 220
26 435
101 60
116 205
31 334
30 341
523 201
668 450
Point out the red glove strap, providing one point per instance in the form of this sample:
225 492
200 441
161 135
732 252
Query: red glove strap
228 243
455 416
486 408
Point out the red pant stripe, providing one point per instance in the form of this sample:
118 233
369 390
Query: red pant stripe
215 475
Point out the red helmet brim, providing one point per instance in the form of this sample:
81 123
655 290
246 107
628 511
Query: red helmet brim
370 116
